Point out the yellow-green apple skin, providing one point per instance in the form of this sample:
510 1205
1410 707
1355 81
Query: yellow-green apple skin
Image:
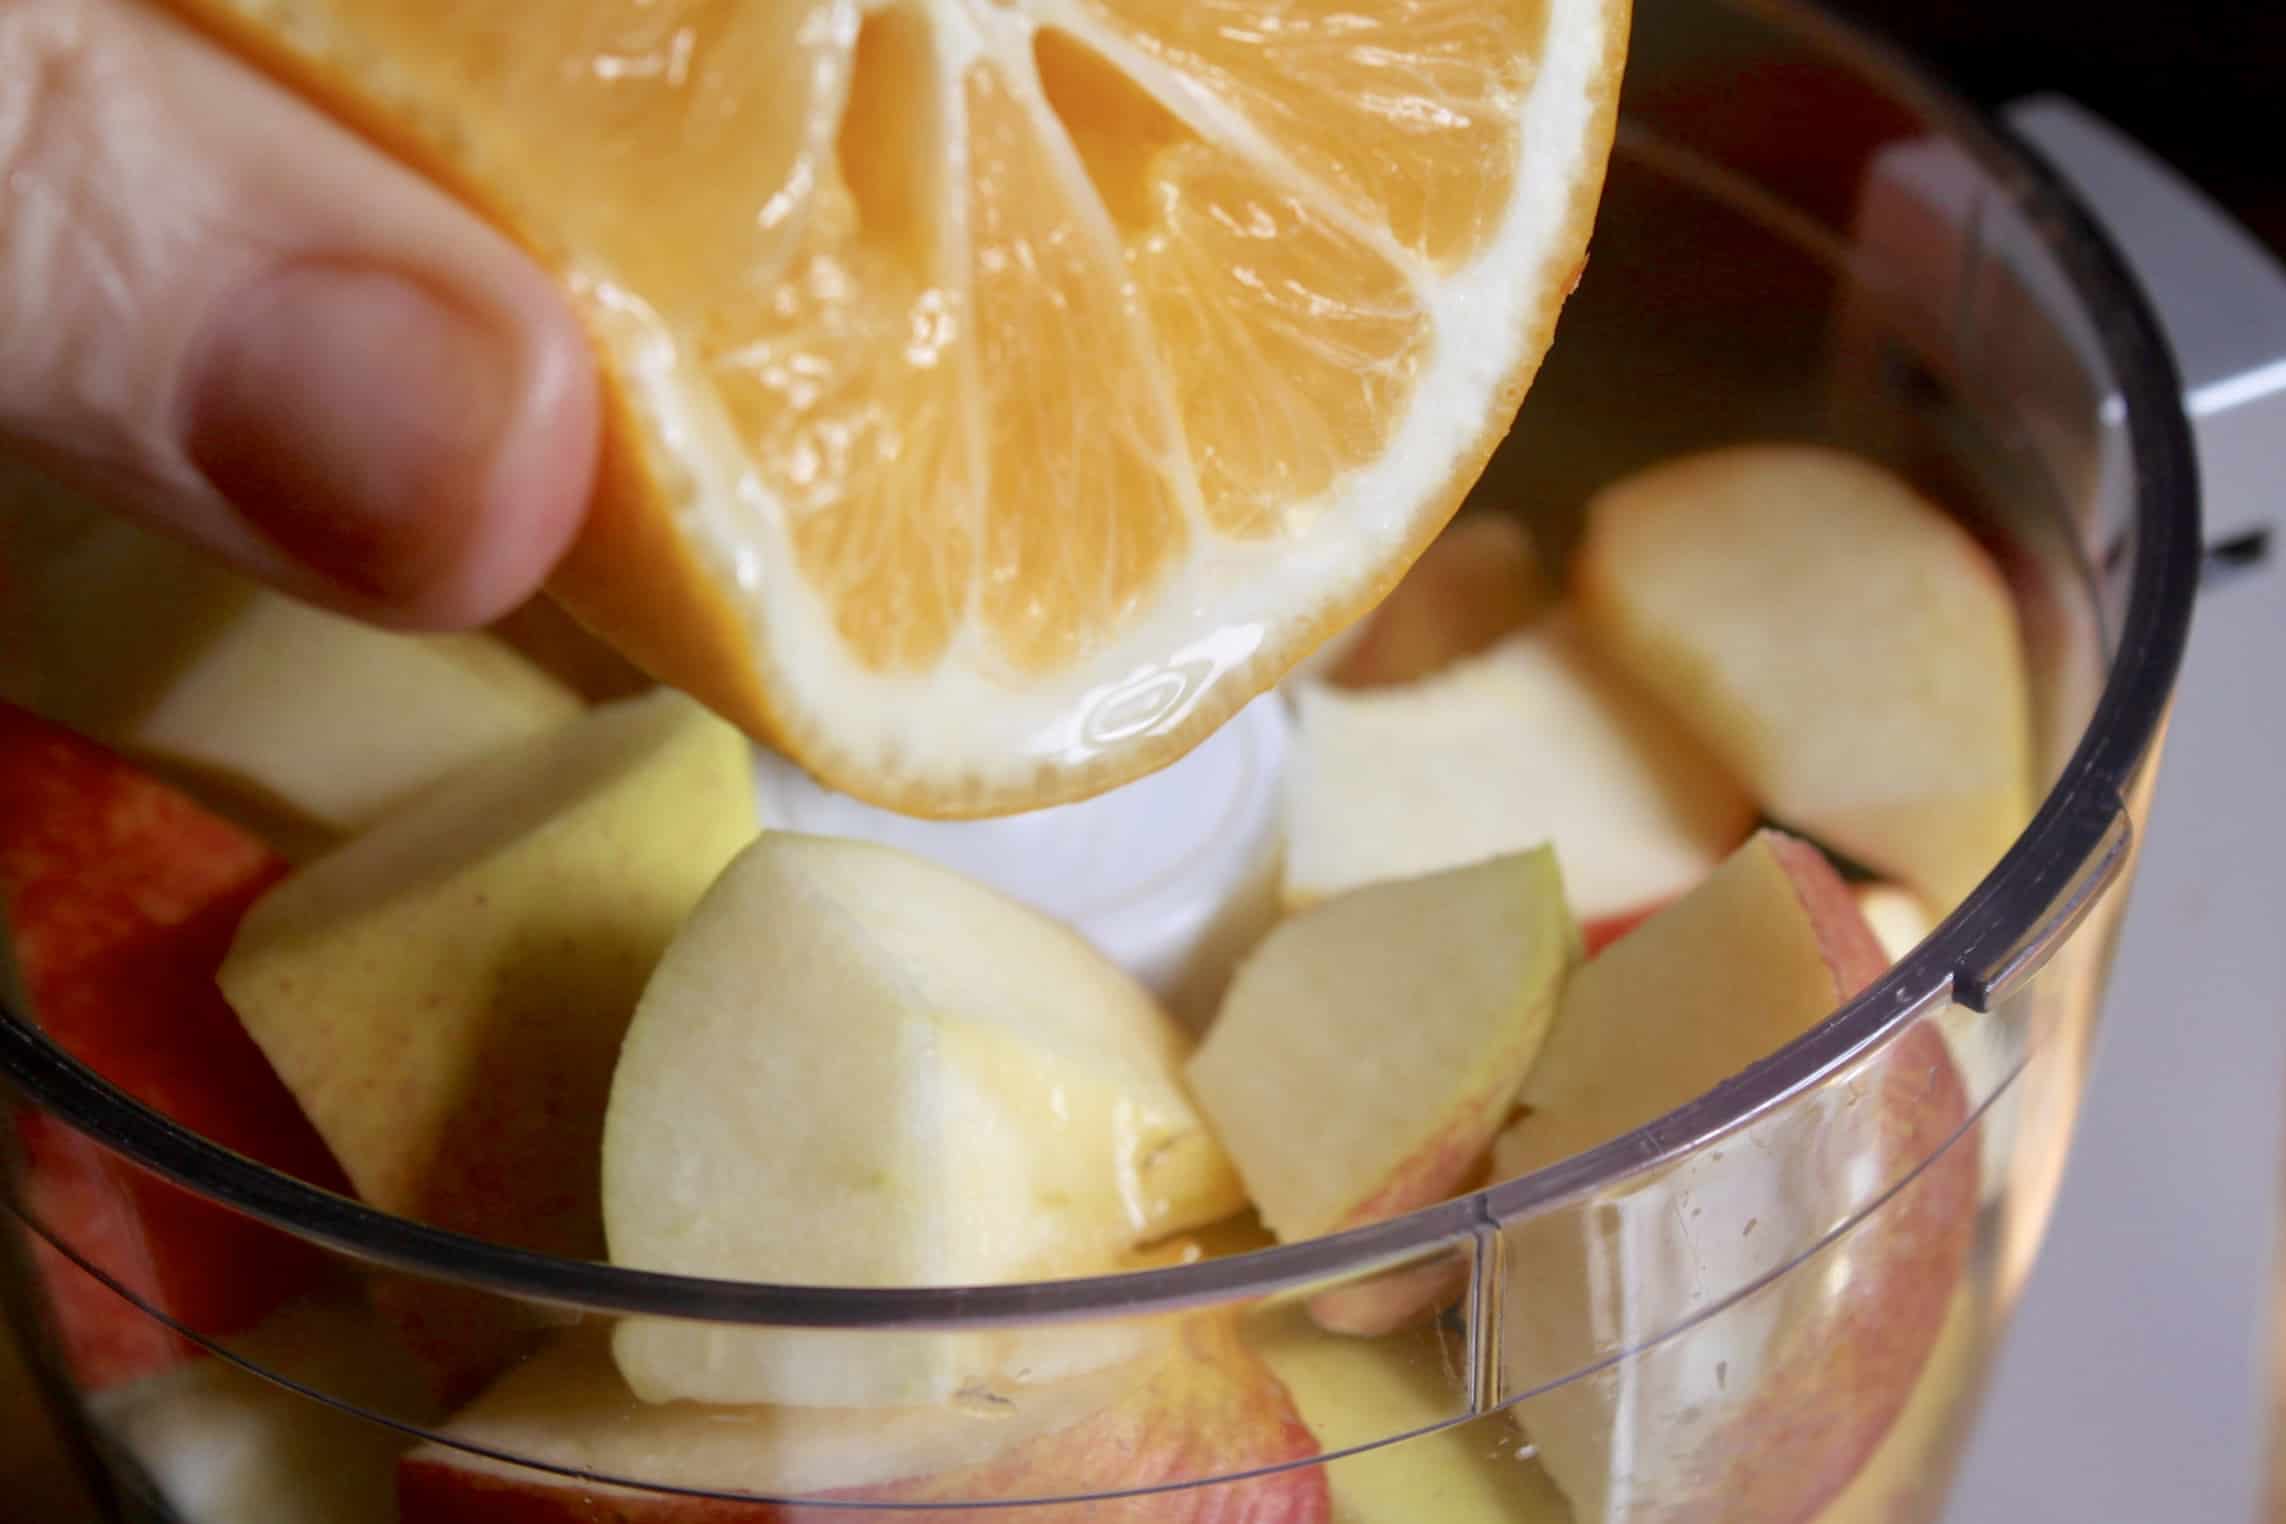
1846 648
1196 1403
159 652
1766 1408
1371 1047
939 1085
1355 1392
1531 741
445 994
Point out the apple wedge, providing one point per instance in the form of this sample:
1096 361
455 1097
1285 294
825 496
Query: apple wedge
1200 1404
1532 741
1761 1409
1371 1047
1354 1392
1836 639
1982 1047
119 898
938 1084
1479 580
270 703
1636 1035
226 1446
446 993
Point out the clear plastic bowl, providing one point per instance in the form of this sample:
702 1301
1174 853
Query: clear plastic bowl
1775 1304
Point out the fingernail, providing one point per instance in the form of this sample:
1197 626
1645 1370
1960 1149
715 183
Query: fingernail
353 416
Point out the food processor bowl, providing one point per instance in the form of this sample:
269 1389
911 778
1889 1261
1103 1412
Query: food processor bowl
1774 1304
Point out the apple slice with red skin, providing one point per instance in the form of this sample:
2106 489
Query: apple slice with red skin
1595 936
1842 646
120 897
1200 1405
1371 1047
1534 739
1763 1410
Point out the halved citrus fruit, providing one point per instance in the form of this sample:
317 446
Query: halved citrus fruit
1005 391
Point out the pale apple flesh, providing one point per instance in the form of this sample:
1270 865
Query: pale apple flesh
224 1445
1354 1392
1370 1047
1625 1049
283 711
942 1086
1766 1409
1199 1405
119 897
1899 919
1532 741
1847 649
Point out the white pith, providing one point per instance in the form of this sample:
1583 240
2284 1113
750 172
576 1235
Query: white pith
1223 624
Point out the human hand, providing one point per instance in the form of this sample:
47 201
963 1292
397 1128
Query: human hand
230 318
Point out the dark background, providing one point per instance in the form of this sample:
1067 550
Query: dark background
2202 84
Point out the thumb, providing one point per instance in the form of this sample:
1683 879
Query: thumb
233 319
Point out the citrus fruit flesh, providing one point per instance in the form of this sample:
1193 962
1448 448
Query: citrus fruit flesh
1005 391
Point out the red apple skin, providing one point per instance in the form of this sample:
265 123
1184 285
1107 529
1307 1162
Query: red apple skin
121 897
1210 1408
1382 1304
1851 1358
70 1185
460 1336
1392 1300
1850 1349
1599 934
1845 937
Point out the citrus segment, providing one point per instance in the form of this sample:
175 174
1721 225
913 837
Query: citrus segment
1072 411
1006 391
844 382
1293 346
565 117
1408 108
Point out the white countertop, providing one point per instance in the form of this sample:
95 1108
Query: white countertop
2134 1383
